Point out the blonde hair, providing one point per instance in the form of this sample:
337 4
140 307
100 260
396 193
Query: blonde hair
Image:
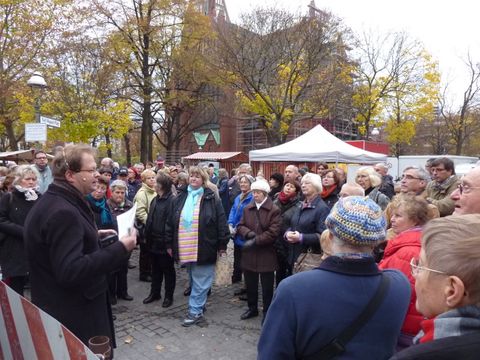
451 245
147 173
375 179
197 170
415 207
22 171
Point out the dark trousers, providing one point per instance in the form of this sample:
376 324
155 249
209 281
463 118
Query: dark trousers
117 281
284 270
17 283
237 269
251 280
163 267
144 261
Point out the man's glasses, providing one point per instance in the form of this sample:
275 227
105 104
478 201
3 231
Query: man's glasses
465 189
410 177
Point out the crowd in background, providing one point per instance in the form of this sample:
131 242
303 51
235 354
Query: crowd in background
394 242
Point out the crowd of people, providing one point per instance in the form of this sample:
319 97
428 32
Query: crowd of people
397 263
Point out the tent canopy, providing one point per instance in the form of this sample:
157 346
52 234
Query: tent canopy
317 145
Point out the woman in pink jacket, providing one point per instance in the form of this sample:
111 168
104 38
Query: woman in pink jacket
409 215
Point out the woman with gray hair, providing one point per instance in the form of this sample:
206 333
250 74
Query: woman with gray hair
308 222
14 207
370 181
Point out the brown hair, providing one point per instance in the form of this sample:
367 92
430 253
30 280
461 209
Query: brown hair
415 207
70 159
450 245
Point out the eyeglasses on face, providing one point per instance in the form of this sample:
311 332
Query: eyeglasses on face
436 169
410 177
91 171
415 268
465 189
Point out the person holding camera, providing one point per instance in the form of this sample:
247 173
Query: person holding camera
68 269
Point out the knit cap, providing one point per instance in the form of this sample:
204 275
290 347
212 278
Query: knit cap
261 185
357 220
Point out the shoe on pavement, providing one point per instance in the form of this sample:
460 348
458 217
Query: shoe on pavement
126 297
250 313
151 298
240 292
167 302
187 291
145 278
192 319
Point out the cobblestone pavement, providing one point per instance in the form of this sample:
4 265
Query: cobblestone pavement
152 332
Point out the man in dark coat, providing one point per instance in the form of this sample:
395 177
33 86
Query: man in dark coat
68 269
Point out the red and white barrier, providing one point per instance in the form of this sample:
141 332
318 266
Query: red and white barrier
26 332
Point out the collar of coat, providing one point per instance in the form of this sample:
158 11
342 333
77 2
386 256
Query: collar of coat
267 205
357 267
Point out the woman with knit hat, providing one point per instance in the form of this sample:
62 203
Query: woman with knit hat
260 226
312 309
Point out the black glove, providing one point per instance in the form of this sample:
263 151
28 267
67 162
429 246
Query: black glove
249 243
250 235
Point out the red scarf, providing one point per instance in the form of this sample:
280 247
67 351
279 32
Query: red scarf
284 198
326 192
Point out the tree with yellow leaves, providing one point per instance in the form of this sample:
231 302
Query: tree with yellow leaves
284 67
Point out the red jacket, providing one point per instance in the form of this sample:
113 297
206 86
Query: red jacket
398 254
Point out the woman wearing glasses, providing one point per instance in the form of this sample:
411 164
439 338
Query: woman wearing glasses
408 217
447 274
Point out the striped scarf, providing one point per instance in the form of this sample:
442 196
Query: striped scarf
188 236
455 322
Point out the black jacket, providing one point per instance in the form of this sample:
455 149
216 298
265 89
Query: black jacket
67 268
310 222
213 233
156 221
14 208
464 347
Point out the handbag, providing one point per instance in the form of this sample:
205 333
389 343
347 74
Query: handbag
223 271
307 261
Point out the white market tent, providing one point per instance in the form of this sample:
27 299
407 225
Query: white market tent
317 145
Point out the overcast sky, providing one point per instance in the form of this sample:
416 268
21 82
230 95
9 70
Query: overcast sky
447 28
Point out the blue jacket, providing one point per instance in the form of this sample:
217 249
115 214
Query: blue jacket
236 214
311 308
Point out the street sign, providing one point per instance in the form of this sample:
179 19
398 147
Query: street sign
35 132
49 121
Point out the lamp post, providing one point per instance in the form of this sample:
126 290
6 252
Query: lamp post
37 83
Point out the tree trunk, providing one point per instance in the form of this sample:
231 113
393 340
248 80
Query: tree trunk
11 136
128 154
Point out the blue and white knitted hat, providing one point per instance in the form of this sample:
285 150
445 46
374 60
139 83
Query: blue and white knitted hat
357 220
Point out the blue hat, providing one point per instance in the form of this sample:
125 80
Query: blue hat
357 220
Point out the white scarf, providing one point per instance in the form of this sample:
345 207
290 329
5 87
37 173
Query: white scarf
30 194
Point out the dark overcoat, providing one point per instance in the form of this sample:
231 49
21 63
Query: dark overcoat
308 220
266 223
68 269
213 233
13 211
156 221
